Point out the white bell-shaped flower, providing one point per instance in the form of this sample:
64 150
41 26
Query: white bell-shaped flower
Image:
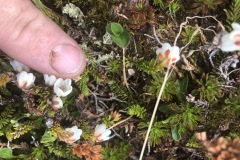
25 80
57 102
62 87
231 41
76 133
168 53
101 133
49 80
19 67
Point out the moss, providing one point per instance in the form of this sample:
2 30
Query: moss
196 96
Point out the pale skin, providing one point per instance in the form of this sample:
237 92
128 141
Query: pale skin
30 37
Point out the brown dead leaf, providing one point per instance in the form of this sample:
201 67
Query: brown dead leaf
88 150
115 116
221 148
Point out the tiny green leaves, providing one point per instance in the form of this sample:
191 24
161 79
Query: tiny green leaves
137 110
6 153
122 40
120 36
116 28
48 137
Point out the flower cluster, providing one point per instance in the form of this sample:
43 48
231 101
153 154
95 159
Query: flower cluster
61 88
231 41
101 133
25 81
168 54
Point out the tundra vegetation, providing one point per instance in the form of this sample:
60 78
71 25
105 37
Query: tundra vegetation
161 82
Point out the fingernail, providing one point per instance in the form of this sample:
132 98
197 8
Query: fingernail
66 59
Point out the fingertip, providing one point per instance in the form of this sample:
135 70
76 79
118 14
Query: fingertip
67 60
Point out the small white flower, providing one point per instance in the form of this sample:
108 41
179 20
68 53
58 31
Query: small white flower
19 67
167 53
49 80
231 41
102 133
56 103
25 80
62 87
76 133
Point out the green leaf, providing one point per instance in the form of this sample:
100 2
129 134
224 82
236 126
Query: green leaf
169 108
182 85
122 40
116 29
120 36
176 132
48 137
108 29
6 153
167 120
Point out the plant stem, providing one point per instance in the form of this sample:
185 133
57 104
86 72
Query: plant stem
155 35
122 121
154 112
124 69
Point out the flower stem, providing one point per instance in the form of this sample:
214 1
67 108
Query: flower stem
154 112
124 69
122 121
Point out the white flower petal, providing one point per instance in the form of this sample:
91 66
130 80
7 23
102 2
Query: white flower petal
68 82
76 134
105 135
62 87
99 129
159 50
234 35
228 45
49 80
25 80
168 53
231 41
102 133
19 67
165 47
57 103
235 26
174 52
